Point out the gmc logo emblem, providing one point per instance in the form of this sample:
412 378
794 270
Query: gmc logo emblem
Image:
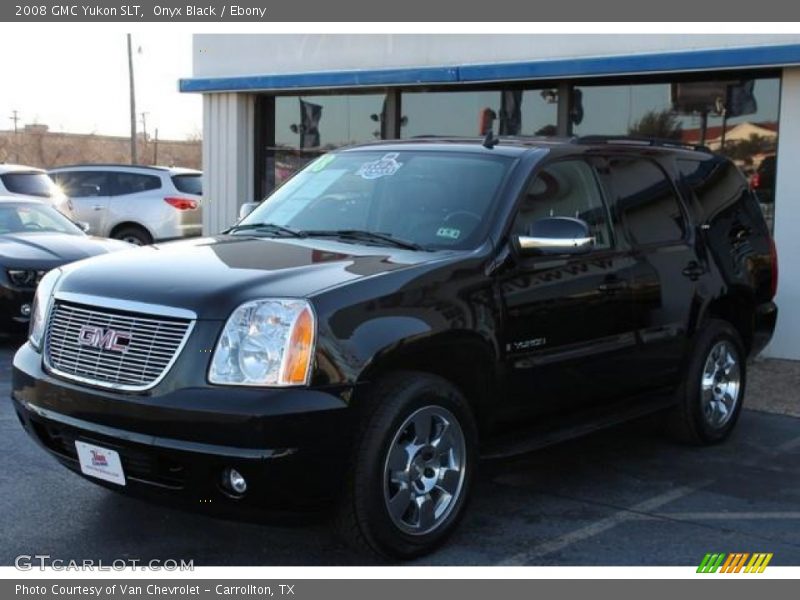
104 339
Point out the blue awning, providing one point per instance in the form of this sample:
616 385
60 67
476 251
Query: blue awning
598 66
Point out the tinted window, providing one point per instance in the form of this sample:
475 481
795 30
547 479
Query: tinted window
30 184
189 184
716 183
647 202
436 199
134 183
565 189
83 184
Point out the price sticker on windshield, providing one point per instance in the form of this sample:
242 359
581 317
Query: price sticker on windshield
383 167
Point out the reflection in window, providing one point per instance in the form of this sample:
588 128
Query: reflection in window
649 206
508 112
308 126
737 117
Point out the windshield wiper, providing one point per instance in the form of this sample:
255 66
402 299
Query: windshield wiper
267 227
363 235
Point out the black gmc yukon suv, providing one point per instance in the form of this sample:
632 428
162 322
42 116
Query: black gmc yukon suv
396 311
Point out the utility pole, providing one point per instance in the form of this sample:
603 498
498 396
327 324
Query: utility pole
134 159
144 135
15 117
155 148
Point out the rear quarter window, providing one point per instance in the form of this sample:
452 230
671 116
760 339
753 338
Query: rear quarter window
717 184
30 184
134 183
188 184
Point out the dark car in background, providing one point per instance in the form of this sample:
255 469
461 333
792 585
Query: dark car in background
397 310
35 238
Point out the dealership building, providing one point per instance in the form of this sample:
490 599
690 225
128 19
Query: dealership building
271 103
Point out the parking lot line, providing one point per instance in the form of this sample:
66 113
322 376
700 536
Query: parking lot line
725 516
602 525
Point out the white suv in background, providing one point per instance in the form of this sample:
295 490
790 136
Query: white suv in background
137 204
30 182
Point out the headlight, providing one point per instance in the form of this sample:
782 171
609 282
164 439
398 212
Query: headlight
266 342
41 307
24 277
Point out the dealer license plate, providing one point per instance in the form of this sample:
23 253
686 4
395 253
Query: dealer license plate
100 462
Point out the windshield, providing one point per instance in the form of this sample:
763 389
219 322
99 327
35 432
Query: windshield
430 199
22 218
30 184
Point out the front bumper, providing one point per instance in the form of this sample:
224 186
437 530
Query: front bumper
291 445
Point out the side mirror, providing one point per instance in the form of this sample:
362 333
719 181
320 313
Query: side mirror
556 235
85 227
246 208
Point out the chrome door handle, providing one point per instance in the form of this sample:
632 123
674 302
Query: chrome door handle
98 207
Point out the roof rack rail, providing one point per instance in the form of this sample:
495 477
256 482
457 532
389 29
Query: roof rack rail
633 140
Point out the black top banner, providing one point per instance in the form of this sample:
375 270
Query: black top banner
407 10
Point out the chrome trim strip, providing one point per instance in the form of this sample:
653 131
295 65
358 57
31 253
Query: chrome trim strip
127 305
124 387
160 442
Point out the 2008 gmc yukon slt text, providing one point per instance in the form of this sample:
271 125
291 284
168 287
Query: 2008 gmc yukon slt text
397 310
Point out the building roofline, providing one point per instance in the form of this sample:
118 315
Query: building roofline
746 57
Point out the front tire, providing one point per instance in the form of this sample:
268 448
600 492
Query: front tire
412 467
711 396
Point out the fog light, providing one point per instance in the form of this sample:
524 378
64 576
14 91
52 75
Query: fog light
234 481
25 310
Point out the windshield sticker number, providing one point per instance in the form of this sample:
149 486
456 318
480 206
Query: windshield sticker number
449 233
383 167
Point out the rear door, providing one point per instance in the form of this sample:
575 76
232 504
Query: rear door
568 331
655 222
90 194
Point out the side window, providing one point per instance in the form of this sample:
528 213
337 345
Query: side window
716 183
565 188
134 183
83 184
647 202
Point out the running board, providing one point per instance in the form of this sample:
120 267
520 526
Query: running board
535 438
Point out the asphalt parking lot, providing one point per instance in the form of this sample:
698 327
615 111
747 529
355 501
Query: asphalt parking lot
621 497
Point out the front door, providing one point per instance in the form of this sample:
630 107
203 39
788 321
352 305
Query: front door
90 193
568 334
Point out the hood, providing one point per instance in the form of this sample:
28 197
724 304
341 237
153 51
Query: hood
49 250
212 276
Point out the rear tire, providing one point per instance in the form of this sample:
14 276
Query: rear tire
711 396
412 467
133 235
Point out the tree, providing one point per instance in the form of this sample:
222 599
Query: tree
744 150
662 124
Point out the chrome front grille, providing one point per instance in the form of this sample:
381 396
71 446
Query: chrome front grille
151 345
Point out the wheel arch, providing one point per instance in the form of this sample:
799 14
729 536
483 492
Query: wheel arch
737 307
133 224
463 358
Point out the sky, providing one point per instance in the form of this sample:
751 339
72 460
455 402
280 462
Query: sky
78 82
75 79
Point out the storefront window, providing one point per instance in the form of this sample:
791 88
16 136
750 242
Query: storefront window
509 112
307 126
737 117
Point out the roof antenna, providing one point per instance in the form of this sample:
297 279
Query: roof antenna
490 140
